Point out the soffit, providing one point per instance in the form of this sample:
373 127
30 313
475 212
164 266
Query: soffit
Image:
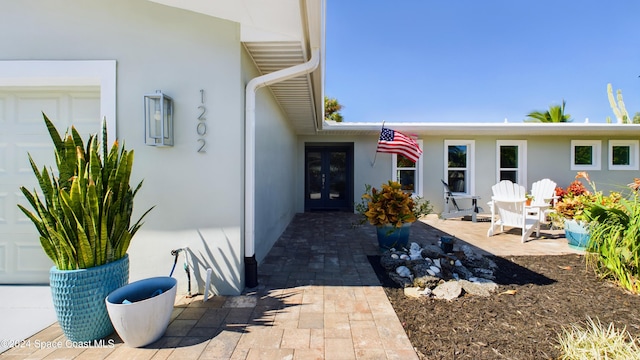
293 95
278 34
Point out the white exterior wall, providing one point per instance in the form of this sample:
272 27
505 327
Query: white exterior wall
275 167
198 196
547 157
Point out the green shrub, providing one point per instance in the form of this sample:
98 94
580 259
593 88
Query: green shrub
614 249
613 221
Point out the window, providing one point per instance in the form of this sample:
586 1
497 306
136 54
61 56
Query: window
623 154
408 173
511 161
585 154
459 165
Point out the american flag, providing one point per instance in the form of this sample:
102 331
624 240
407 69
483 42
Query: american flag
392 141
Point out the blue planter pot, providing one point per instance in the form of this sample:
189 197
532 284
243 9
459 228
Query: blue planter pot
576 233
78 298
393 237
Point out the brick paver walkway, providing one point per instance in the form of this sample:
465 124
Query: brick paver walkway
318 298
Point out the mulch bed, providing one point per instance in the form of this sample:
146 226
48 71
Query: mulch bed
549 292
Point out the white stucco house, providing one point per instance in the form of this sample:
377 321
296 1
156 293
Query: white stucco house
250 145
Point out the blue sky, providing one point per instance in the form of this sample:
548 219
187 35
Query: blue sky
480 60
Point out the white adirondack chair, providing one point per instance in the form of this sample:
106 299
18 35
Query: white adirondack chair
508 202
543 191
544 196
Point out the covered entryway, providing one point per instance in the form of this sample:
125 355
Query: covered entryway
329 177
22 131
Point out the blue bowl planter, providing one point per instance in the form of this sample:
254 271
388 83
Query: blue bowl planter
390 236
141 311
576 233
78 298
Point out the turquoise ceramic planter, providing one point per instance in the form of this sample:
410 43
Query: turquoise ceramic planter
78 298
576 233
393 237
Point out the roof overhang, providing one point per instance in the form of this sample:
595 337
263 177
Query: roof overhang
278 34
485 129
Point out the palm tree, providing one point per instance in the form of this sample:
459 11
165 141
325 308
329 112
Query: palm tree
332 109
555 114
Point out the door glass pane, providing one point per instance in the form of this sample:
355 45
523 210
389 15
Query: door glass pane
509 175
314 175
458 156
583 155
457 180
509 157
337 177
621 155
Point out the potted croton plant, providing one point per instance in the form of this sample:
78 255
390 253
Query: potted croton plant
83 213
574 207
392 210
569 211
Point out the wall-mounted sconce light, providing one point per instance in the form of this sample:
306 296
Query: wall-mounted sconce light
158 119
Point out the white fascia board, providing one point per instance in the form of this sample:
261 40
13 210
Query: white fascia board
468 129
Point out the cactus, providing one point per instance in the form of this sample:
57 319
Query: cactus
619 110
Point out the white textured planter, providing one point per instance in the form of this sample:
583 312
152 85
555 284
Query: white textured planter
143 318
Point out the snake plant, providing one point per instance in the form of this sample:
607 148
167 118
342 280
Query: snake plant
83 213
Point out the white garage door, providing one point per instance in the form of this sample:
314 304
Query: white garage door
22 131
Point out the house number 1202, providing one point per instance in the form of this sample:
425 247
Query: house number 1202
201 128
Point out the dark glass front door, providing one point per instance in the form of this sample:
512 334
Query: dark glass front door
328 178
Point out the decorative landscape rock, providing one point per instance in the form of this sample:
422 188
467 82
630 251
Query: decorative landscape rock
402 281
390 263
448 291
404 272
478 288
416 292
427 281
463 272
431 251
428 271
469 253
415 252
421 269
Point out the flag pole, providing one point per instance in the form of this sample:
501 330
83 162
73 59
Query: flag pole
376 153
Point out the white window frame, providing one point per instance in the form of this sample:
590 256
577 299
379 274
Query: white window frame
418 169
100 73
596 151
471 164
633 154
521 170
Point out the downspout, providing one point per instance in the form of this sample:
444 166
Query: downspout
250 263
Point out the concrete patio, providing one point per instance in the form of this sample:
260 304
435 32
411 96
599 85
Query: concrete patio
318 298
